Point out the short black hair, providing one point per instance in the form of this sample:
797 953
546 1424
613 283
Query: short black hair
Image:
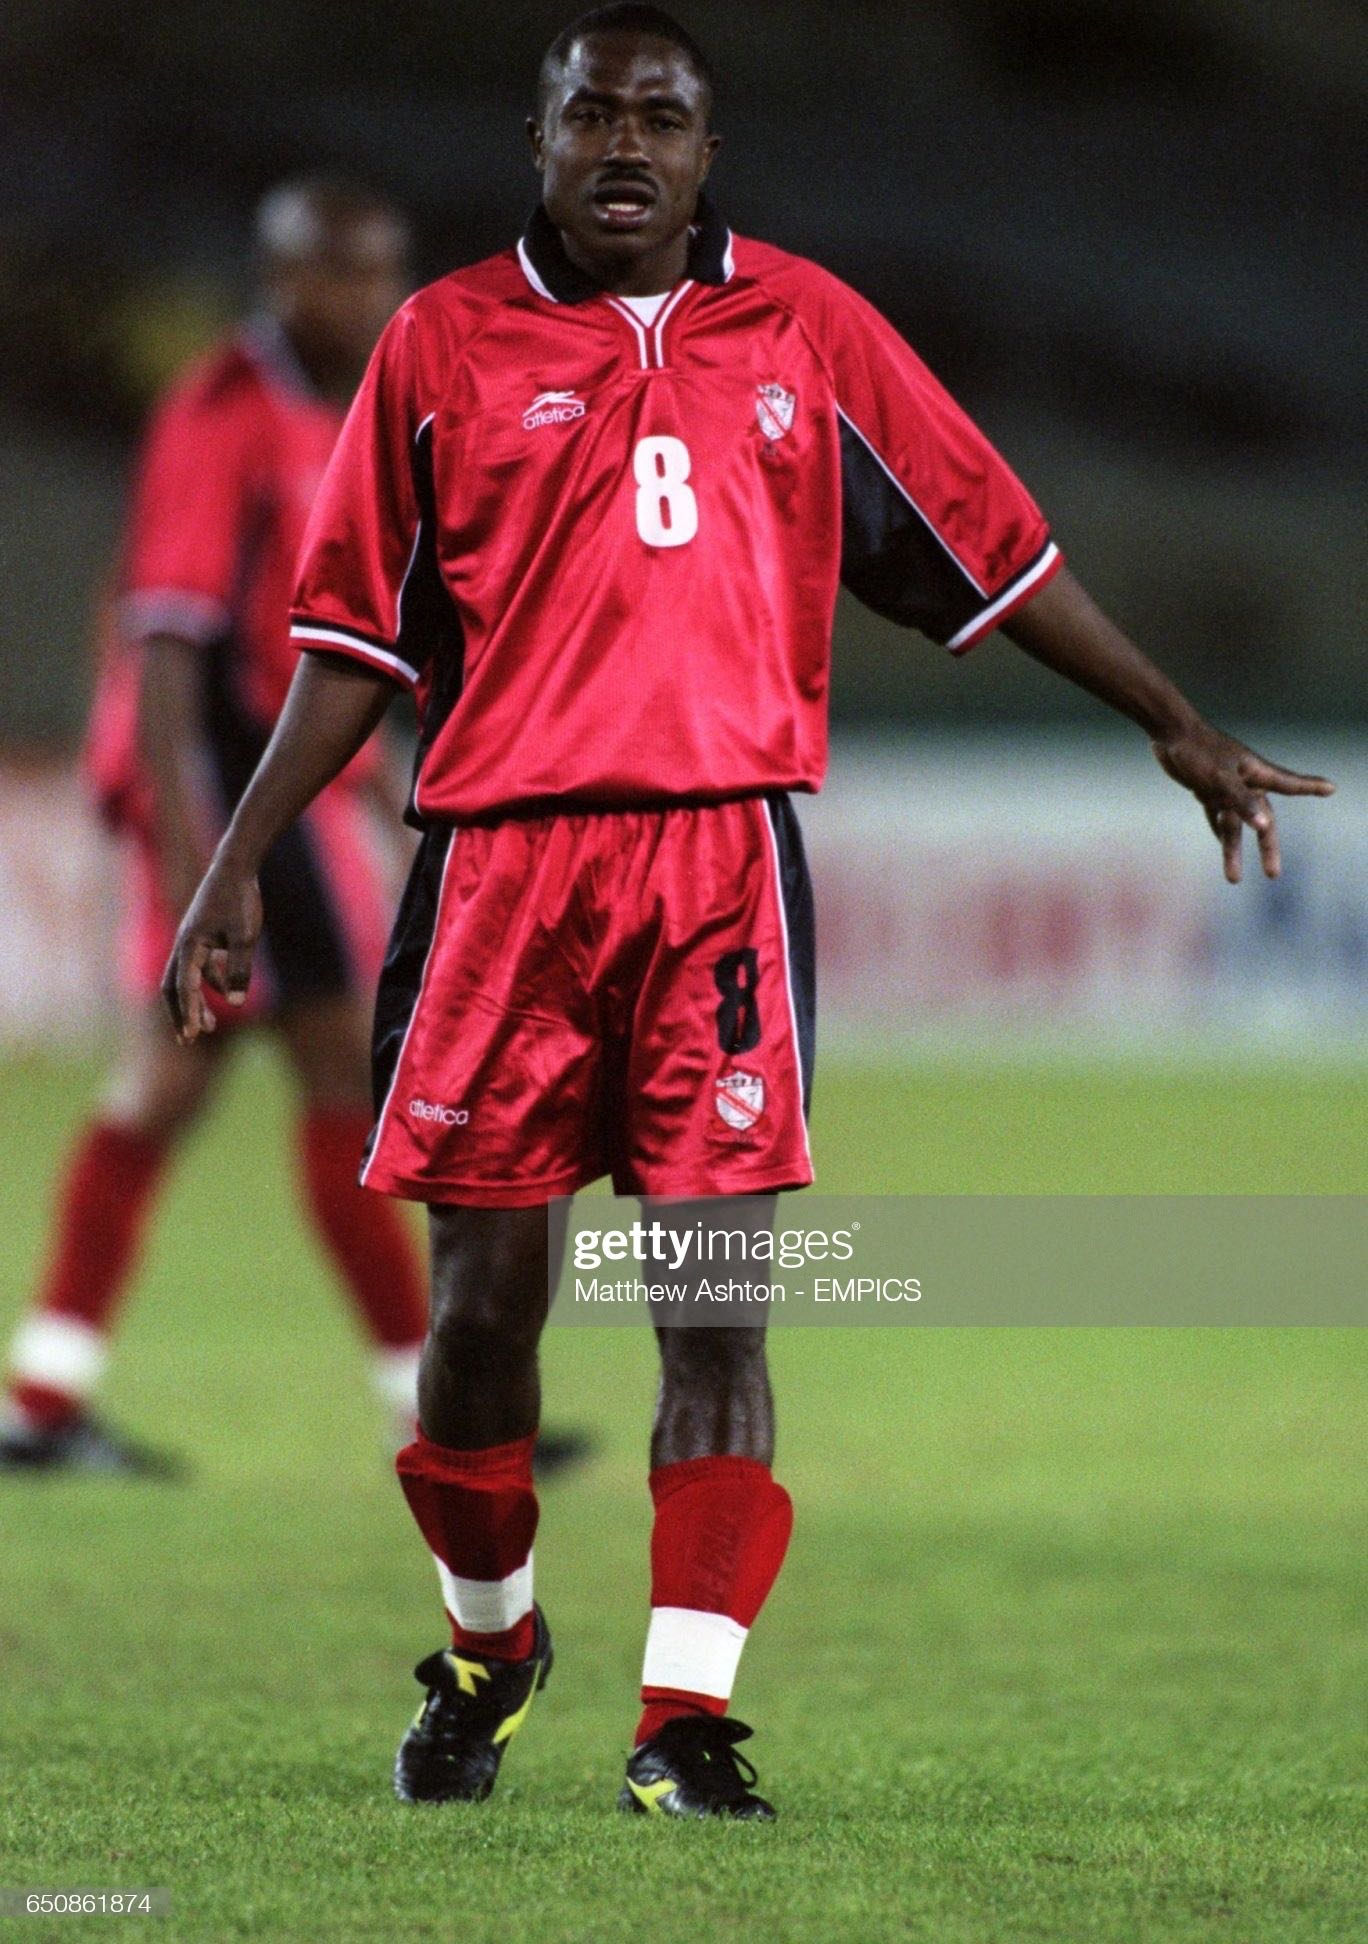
621 19
294 217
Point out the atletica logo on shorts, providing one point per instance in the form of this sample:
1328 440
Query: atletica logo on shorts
740 1098
553 408
432 1110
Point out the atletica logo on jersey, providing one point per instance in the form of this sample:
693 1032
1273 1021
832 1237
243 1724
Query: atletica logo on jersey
432 1110
774 408
740 1098
553 408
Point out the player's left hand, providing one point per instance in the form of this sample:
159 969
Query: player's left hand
1232 783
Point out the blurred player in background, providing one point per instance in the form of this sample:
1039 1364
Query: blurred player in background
195 662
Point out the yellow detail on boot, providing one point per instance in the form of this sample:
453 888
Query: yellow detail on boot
652 1795
467 1672
510 1725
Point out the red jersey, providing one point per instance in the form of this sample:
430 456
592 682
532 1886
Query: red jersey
228 471
109 757
607 552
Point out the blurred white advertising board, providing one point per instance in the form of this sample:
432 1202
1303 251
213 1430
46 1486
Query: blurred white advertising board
1010 893
1036 889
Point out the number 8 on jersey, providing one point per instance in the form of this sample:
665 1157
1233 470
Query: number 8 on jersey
666 509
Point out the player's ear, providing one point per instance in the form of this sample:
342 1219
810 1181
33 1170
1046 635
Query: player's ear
538 141
711 144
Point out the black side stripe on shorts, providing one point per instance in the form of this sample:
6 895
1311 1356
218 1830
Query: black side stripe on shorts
795 891
401 981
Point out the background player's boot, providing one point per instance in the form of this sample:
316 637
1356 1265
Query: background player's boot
559 1449
691 1768
473 1710
86 1445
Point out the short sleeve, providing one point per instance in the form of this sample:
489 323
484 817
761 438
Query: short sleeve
938 533
186 519
364 581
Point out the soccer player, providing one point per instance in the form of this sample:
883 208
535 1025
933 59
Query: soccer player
195 660
593 502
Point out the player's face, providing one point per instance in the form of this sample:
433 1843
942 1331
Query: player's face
623 148
336 301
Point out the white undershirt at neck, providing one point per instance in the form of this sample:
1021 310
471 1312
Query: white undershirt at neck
647 308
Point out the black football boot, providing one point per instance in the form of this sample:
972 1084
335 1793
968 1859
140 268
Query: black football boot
473 1710
691 1768
86 1445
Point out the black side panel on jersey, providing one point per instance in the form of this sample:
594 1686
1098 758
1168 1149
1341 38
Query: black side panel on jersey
891 557
430 632
405 961
795 888
302 939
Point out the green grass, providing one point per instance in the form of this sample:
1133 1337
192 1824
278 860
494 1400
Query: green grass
1069 1645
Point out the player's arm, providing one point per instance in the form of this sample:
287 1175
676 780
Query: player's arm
1063 628
168 735
183 544
386 789
350 620
332 707
940 535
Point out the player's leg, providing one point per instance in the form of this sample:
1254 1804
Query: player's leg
468 1480
110 1184
717 1082
715 1399
486 1060
720 1531
327 1039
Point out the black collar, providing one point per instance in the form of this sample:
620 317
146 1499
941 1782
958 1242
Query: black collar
549 269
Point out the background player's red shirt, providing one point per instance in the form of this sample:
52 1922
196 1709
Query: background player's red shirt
608 553
228 471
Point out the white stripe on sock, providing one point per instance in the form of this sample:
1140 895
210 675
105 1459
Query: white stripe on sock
394 1373
696 1651
487 1606
59 1352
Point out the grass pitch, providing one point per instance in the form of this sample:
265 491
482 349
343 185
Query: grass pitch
1069 1645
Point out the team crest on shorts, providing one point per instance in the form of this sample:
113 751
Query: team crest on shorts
774 409
740 1099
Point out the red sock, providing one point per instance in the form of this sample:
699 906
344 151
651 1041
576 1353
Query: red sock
101 1212
364 1232
478 1512
721 1530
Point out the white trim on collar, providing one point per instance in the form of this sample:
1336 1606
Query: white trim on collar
530 273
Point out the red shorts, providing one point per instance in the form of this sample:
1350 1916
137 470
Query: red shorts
605 992
326 903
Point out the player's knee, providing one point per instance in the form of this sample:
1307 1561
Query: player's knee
693 1356
484 1328
158 1106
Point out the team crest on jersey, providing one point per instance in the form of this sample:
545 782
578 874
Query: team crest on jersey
774 409
740 1098
553 408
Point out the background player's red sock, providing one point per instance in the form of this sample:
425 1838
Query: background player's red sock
375 1255
721 1530
61 1347
478 1512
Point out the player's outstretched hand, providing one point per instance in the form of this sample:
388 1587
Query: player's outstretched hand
1232 783
213 947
